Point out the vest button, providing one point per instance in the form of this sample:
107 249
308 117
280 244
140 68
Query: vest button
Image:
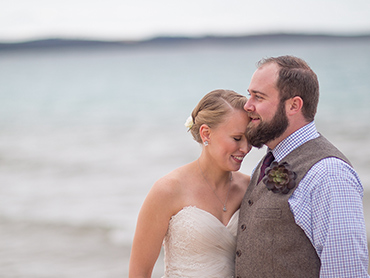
250 202
238 253
243 227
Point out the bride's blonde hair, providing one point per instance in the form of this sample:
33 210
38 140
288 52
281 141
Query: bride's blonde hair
213 108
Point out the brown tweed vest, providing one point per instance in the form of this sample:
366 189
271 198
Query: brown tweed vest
269 242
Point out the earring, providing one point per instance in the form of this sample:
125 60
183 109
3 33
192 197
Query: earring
205 143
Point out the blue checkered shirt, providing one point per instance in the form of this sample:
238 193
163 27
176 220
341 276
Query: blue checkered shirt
327 205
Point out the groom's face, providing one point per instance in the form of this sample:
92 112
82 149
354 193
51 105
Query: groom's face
266 111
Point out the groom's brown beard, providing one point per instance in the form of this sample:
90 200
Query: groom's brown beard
265 132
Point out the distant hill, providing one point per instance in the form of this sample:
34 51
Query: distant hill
158 41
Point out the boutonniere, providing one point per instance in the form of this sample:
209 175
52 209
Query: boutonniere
279 178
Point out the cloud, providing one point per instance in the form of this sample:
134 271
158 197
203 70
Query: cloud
135 19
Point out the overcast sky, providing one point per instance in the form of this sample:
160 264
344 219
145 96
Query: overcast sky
141 19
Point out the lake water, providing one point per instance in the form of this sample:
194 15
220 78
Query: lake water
84 133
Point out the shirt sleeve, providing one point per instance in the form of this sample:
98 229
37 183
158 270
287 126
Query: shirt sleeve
328 207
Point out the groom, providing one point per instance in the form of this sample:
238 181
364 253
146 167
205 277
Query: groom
304 218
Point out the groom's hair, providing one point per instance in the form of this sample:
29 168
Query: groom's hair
296 78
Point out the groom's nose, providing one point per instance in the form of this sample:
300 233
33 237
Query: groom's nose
248 106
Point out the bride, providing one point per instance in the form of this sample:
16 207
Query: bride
194 210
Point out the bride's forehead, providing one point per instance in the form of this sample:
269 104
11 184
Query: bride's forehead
235 122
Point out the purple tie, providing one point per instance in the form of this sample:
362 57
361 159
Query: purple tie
266 163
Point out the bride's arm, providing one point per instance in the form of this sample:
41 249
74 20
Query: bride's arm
151 227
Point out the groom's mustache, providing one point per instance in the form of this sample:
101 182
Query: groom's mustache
253 115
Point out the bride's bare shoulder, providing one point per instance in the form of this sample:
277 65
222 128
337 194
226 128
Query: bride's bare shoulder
242 180
173 184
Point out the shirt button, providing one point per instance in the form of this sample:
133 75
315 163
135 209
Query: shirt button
250 202
243 227
238 253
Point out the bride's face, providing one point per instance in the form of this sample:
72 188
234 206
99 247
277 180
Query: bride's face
228 144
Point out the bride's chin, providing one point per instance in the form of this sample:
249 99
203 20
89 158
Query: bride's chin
235 168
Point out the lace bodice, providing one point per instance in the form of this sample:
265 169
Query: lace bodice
197 244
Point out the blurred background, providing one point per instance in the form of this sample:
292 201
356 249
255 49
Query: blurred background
94 96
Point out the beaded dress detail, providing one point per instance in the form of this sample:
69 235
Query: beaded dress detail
197 244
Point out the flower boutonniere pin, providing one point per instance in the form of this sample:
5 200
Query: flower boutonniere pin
279 178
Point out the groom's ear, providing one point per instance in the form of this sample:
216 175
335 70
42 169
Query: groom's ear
294 105
205 132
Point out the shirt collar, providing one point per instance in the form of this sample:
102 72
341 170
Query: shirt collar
293 141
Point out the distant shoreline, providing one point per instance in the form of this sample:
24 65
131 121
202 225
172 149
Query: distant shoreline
60 43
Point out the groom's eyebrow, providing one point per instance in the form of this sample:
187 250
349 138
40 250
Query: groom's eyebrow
256 92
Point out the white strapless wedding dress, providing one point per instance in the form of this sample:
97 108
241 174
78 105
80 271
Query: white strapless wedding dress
197 244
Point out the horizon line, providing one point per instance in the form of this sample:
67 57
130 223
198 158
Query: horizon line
65 43
180 36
